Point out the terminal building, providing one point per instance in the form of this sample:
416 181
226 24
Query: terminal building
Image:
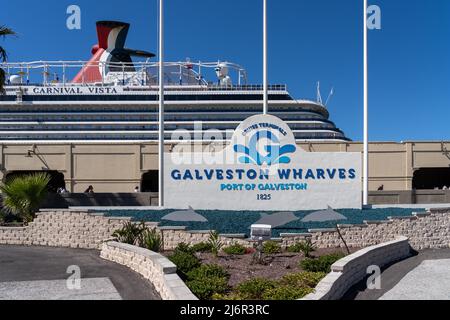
95 123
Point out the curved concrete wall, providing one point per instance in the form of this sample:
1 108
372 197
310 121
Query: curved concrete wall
353 268
154 267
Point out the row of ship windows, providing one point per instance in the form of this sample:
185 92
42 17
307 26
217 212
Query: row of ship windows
151 117
149 136
119 97
144 108
188 126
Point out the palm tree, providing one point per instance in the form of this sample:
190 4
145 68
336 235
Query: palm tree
23 195
4 31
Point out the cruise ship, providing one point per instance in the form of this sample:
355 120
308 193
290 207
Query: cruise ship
113 97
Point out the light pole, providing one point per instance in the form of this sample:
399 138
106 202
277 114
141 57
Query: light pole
366 116
161 106
265 79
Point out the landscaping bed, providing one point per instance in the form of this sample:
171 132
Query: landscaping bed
265 271
240 267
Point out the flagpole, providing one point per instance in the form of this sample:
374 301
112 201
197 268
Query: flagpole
161 106
366 115
265 80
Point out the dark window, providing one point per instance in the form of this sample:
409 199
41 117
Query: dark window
431 178
149 181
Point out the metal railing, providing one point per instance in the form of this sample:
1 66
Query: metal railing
60 72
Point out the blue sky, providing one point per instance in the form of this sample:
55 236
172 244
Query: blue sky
308 41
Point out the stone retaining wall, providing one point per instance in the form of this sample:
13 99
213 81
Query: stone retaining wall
154 267
81 229
351 269
424 230
63 228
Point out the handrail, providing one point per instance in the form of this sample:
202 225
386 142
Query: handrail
142 70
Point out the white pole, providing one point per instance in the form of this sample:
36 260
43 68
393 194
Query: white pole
366 115
161 105
265 80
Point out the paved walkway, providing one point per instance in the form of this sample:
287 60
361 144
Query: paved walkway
425 276
40 273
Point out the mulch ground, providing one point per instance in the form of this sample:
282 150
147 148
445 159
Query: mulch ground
241 268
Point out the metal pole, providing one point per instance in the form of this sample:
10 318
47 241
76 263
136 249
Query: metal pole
366 116
266 96
161 105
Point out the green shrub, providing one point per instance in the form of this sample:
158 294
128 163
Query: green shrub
306 247
208 280
271 247
286 292
2 216
303 279
254 289
10 218
206 271
321 264
235 249
214 242
184 261
151 240
229 296
205 288
183 247
129 233
295 248
23 195
201 247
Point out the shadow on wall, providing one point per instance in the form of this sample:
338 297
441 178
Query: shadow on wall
59 201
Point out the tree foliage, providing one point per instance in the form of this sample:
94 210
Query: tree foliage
23 195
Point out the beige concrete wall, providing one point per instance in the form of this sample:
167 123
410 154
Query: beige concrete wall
119 167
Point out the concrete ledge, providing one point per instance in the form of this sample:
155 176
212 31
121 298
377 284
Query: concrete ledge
295 235
199 231
175 228
345 226
234 235
438 210
97 214
159 270
421 214
13 228
323 230
61 210
402 218
377 221
114 218
351 269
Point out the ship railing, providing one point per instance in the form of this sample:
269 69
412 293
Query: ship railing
60 72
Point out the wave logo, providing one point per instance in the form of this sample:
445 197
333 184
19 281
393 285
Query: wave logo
275 153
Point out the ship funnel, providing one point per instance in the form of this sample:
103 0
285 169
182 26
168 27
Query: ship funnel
110 54
112 34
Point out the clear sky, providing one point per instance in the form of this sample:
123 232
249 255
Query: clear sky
309 40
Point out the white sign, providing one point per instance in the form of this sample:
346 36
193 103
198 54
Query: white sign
262 169
73 90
